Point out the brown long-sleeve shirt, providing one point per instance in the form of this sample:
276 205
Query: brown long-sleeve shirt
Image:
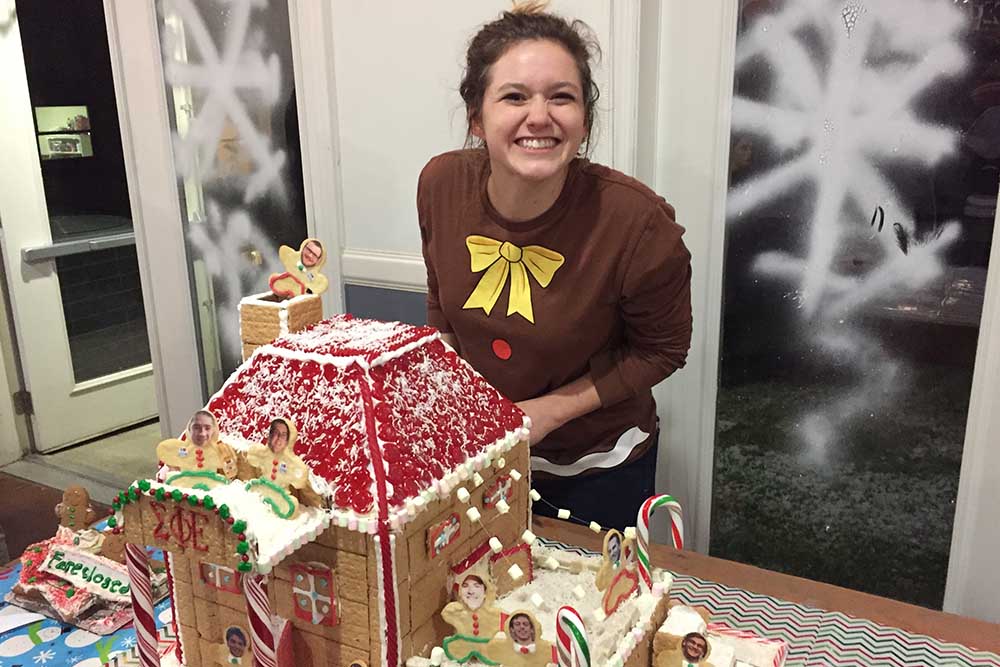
599 283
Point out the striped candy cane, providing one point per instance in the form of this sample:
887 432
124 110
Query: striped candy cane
642 531
259 615
571 639
141 588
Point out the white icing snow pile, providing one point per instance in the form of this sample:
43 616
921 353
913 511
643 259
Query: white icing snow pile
611 639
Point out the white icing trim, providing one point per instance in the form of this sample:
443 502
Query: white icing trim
260 299
627 442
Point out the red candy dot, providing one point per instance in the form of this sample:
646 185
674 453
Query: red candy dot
501 348
230 521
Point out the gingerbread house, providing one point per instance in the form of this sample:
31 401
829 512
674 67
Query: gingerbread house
416 462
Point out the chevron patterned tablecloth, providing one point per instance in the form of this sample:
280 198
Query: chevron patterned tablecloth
818 638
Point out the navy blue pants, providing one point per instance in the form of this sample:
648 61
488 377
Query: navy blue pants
611 498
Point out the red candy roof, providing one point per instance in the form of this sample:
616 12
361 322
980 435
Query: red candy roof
362 392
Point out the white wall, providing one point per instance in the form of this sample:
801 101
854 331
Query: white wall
397 76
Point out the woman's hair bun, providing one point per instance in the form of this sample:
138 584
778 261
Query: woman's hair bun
528 7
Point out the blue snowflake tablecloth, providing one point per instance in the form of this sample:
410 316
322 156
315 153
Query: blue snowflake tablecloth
28 639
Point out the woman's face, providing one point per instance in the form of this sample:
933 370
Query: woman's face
473 593
278 438
532 118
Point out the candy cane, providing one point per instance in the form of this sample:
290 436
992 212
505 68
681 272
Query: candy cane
147 640
259 614
642 531
571 639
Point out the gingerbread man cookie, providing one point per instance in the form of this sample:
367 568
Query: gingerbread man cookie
302 270
611 559
201 461
113 546
279 468
474 618
75 511
521 645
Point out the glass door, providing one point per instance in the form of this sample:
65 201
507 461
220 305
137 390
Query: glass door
864 161
69 248
229 83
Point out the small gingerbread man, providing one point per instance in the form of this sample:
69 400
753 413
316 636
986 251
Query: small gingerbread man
75 511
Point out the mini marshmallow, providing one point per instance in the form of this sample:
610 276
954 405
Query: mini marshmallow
437 656
515 475
551 563
463 494
564 514
477 480
579 593
473 514
502 506
501 463
528 537
537 600
363 525
630 533
535 495
598 614
496 545
594 526
515 572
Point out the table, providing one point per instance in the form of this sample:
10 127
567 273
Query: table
979 635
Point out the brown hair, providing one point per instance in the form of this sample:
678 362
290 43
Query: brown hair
527 21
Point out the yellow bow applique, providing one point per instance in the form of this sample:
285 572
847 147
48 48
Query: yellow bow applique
502 259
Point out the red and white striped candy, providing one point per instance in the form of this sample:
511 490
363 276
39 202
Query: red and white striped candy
571 639
147 640
642 531
259 615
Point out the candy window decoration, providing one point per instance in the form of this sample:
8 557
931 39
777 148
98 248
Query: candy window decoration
499 490
220 578
315 597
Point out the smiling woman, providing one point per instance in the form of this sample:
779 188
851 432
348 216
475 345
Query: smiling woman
590 262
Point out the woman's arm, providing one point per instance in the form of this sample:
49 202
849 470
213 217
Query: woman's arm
549 412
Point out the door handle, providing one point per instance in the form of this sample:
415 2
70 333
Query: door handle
49 251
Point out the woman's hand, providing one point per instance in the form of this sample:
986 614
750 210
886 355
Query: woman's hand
549 412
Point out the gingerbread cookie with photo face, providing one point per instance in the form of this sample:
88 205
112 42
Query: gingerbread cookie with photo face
521 643
199 461
302 274
474 617
611 559
278 468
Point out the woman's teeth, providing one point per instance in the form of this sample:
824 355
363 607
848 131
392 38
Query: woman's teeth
536 143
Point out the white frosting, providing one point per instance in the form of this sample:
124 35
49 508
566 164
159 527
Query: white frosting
681 620
271 537
611 641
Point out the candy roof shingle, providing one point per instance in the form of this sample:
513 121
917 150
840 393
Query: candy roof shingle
362 392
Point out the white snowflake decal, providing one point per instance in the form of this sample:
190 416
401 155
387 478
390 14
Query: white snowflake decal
227 80
75 659
845 77
128 642
220 242
44 657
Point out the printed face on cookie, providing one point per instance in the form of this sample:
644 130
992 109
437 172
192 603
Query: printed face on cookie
201 428
614 549
277 436
472 592
311 253
694 647
522 630
236 641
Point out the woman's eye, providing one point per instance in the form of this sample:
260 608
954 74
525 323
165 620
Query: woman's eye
514 97
564 98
